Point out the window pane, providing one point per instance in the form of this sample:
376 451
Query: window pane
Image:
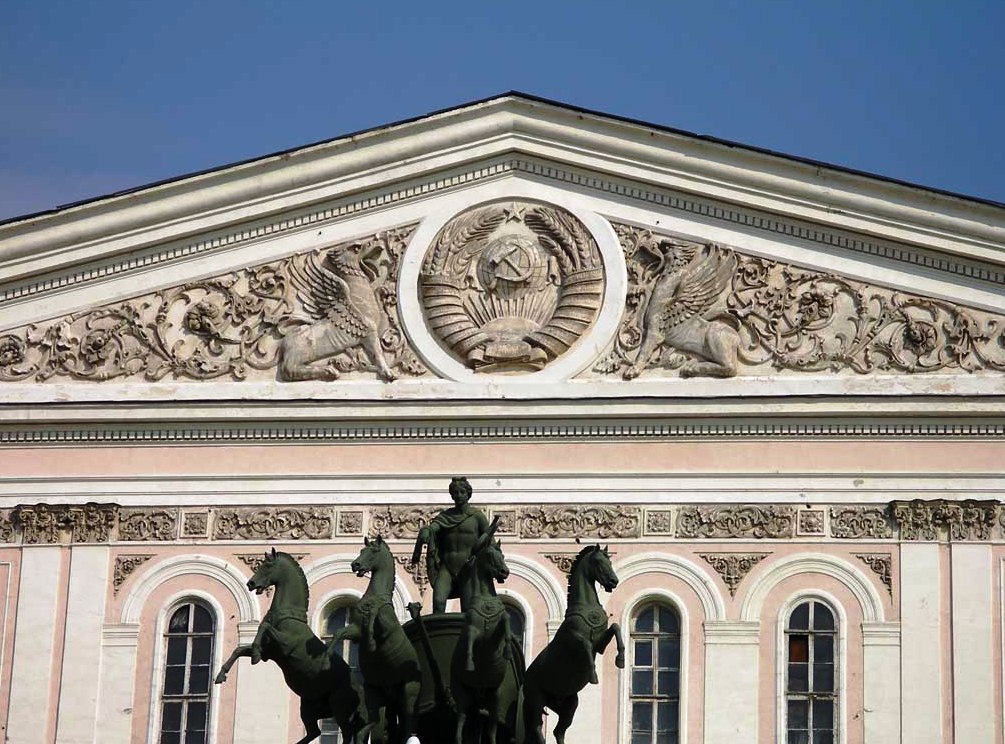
823 737
666 716
798 677
823 678
171 717
799 648
823 619
798 714
823 648
168 737
642 682
196 717
823 715
644 621
641 738
179 621
642 717
202 649
202 621
669 652
176 650
643 653
800 618
337 620
174 680
668 621
198 681
669 684
195 737
798 737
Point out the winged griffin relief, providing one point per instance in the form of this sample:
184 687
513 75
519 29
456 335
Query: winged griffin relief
310 316
704 309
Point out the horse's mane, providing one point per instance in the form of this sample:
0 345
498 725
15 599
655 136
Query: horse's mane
300 572
588 550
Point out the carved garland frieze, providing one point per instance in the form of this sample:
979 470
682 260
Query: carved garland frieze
148 524
602 522
310 316
704 309
958 520
49 524
124 567
736 521
511 286
860 522
733 567
401 521
280 523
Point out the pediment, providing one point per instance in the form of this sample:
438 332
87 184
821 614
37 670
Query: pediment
637 264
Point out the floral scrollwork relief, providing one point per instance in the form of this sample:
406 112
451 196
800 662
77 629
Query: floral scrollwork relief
418 571
350 523
880 564
148 524
7 531
921 519
736 521
705 309
272 316
601 522
124 567
401 521
50 523
280 523
733 567
860 522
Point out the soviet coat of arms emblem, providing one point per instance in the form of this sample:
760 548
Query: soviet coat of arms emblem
508 287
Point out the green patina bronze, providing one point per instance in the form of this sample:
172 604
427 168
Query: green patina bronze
388 661
322 680
568 663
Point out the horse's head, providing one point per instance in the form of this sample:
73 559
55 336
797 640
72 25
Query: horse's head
267 573
374 554
492 563
598 566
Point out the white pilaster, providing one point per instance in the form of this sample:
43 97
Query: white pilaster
731 682
973 647
921 662
38 596
262 712
881 642
118 677
85 611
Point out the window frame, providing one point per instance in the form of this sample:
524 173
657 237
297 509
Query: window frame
329 604
625 675
512 599
159 661
840 663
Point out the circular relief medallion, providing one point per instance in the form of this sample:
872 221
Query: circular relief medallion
510 286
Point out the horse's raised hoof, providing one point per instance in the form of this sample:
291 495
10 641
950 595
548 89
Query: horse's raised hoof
594 680
256 656
619 661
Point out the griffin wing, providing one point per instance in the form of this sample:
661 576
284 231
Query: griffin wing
699 286
324 295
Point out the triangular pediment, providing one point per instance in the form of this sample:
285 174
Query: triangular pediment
510 249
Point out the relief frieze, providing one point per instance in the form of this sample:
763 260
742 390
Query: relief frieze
733 567
700 308
937 519
401 521
736 521
56 523
273 523
148 524
593 521
860 522
314 315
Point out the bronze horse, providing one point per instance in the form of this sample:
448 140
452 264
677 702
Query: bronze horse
322 680
387 659
567 663
481 658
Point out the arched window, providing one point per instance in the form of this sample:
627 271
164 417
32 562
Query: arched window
811 701
654 693
189 658
336 619
517 622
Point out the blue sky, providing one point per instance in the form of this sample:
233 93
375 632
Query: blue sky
99 96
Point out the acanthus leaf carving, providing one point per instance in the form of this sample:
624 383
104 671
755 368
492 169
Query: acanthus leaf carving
706 309
311 315
733 567
736 521
921 519
602 522
124 567
880 564
401 521
49 523
268 523
860 522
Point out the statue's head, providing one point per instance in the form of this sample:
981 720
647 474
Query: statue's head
266 574
374 552
597 561
460 491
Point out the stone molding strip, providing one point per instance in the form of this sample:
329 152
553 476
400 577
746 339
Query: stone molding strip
932 519
237 433
704 208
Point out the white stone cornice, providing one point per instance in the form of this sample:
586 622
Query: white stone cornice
732 632
881 634
120 634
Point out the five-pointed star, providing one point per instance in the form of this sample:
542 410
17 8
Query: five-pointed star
514 213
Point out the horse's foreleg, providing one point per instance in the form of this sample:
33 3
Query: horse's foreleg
308 715
240 651
371 631
471 634
409 701
256 645
590 650
612 632
507 636
533 715
351 631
